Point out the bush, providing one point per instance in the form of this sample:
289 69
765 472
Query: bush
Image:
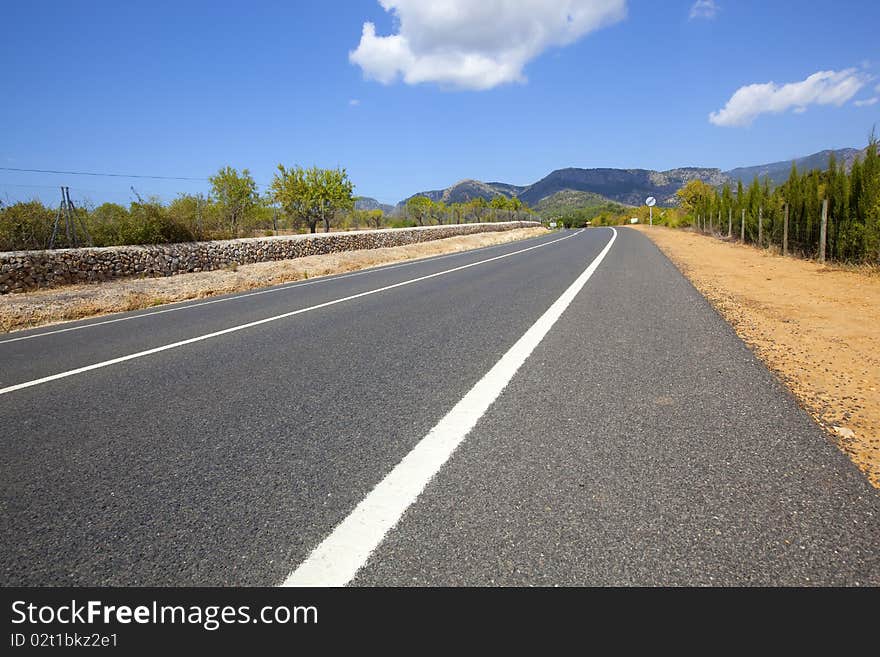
25 226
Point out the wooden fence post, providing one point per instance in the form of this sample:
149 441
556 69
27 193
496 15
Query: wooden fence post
761 227
785 233
742 227
823 231
729 223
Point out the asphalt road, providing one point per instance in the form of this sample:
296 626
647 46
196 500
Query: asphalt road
640 442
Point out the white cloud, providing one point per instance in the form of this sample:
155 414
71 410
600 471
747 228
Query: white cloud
822 88
354 102
704 9
475 45
867 102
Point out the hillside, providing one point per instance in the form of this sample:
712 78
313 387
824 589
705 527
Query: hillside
627 186
567 199
367 203
465 190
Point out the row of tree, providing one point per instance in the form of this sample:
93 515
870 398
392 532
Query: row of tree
297 200
425 211
757 213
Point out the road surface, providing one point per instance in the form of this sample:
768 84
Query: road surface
565 410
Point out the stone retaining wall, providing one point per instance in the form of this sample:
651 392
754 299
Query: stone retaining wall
28 270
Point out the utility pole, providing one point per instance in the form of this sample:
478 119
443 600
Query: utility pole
729 222
823 231
68 211
742 227
760 227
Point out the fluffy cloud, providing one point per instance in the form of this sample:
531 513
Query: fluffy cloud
867 102
475 45
704 9
822 88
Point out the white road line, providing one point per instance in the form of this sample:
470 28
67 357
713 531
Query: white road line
241 327
338 558
272 290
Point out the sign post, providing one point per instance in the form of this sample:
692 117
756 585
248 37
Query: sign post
651 202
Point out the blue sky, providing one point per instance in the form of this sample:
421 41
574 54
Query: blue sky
183 88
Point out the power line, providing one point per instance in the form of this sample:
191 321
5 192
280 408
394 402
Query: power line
105 175
8 184
113 175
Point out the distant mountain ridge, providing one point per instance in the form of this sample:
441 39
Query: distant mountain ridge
367 203
626 186
466 190
778 172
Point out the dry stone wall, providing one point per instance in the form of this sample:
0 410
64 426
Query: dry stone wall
28 270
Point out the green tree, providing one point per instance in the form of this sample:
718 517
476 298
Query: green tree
25 225
192 212
869 202
235 193
439 212
295 190
374 218
334 192
419 208
312 195
477 208
696 197
149 223
107 224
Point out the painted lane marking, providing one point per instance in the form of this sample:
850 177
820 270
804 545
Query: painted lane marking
347 548
277 288
241 327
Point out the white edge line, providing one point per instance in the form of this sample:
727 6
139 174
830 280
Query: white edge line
243 295
338 558
241 327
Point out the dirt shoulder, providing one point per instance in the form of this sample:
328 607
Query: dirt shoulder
817 327
29 309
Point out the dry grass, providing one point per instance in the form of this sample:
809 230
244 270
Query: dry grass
817 327
30 309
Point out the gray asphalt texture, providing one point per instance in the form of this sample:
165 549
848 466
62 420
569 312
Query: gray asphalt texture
641 443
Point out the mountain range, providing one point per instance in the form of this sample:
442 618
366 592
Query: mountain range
367 203
573 187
